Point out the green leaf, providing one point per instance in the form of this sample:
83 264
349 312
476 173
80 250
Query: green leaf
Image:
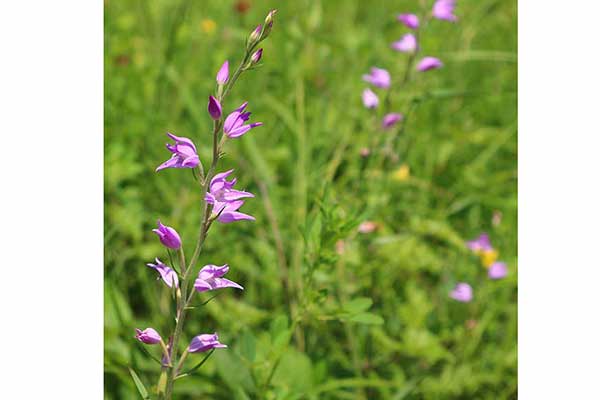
279 326
248 346
367 318
358 305
140 386
233 371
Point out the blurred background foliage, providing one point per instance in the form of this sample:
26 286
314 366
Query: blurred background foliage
328 312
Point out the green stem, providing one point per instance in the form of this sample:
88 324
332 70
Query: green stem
181 361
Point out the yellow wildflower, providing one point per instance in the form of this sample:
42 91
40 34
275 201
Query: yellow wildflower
488 257
402 173
208 26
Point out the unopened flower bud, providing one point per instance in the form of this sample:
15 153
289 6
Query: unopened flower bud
214 108
148 336
268 23
256 56
254 36
223 74
168 236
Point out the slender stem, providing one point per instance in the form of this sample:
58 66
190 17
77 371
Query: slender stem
182 260
181 361
165 351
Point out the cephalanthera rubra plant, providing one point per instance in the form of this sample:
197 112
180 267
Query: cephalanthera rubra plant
382 80
221 202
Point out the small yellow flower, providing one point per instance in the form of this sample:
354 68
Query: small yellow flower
208 26
402 173
488 257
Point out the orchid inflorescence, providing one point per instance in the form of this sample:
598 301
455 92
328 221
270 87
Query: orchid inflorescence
220 202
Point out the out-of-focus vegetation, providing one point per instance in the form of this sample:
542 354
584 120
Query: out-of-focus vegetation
328 312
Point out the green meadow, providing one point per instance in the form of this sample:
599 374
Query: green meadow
329 311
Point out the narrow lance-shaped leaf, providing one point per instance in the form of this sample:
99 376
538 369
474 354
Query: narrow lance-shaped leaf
139 385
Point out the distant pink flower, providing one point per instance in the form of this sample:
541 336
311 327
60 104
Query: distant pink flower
444 10
406 44
497 270
210 277
364 152
340 247
462 292
429 63
205 342
411 21
497 218
147 336
183 155
390 120
369 99
481 243
368 227
168 275
223 74
168 236
378 77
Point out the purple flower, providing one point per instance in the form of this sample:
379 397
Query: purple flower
234 123
214 108
462 292
148 336
443 9
390 120
378 77
168 236
225 200
255 58
205 342
184 154
223 74
428 63
168 275
497 270
370 99
406 44
210 277
411 21
480 244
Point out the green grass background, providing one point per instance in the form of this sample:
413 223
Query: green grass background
373 321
